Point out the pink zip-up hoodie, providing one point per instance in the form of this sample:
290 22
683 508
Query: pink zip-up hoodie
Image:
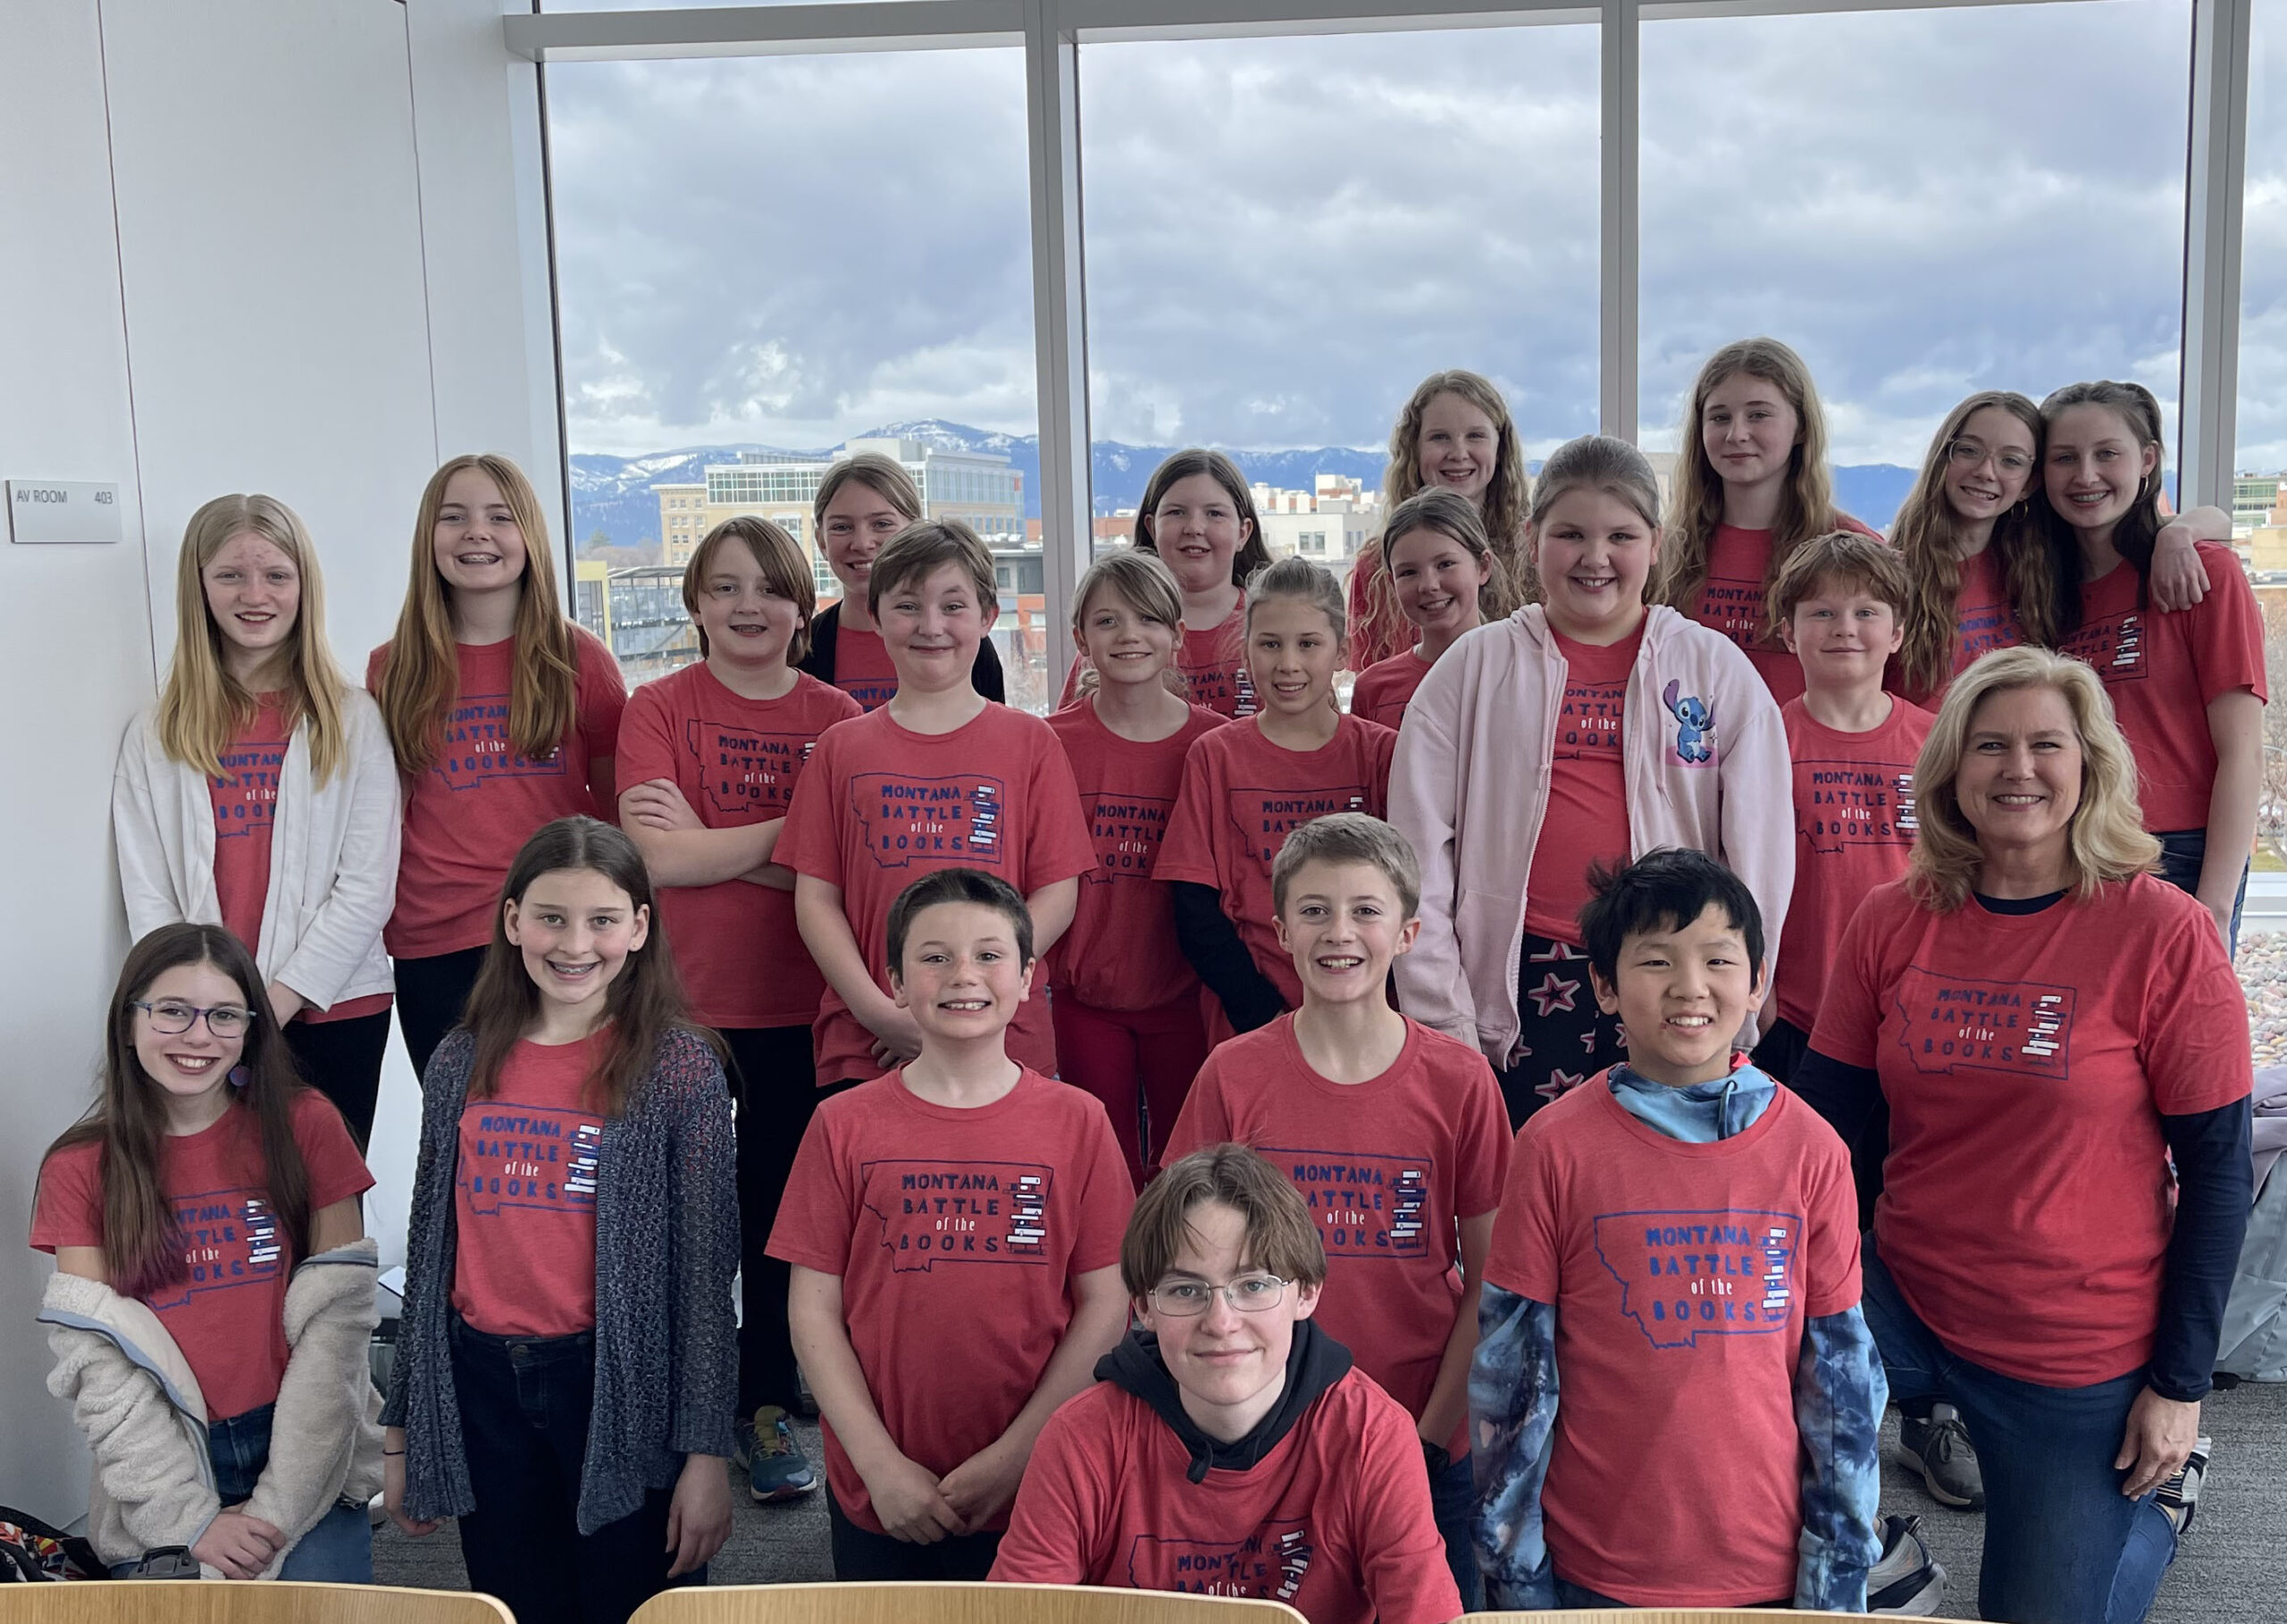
1706 765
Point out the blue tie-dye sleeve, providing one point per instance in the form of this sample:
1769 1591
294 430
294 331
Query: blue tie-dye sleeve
1840 1392
1512 1429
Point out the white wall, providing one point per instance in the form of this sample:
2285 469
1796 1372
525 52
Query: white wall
276 247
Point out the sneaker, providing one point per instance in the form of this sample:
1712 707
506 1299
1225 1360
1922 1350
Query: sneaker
2179 1496
1908 1582
1939 1449
776 1466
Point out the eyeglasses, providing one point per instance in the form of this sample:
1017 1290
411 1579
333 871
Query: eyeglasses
1970 453
171 1017
1189 1298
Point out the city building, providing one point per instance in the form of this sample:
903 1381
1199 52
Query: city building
978 488
2256 501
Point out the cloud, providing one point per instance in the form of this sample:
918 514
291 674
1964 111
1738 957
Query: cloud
1283 235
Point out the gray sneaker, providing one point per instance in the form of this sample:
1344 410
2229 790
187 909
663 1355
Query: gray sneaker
1908 1582
2179 1496
1939 1449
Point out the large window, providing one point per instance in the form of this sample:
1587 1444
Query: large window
1285 236
765 261
1923 202
2262 422
1276 235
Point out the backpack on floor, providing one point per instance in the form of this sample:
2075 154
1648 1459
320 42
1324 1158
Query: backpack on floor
33 1552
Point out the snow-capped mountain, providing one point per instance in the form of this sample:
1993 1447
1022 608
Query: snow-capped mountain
612 494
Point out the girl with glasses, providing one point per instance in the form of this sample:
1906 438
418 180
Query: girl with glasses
205 1222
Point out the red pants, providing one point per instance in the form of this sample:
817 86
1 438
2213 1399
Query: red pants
1139 1062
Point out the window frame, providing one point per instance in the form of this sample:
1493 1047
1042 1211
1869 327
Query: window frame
1052 32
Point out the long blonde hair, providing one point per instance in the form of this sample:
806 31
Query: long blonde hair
1696 505
202 708
421 675
1507 493
1928 536
2106 837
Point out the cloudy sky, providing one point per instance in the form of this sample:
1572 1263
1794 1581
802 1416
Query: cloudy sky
1281 236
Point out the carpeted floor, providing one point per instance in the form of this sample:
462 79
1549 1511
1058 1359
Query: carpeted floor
2234 1565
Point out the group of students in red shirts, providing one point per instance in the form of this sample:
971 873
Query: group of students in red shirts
1731 676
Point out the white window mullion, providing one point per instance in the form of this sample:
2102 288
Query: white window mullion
1620 259
1060 321
2214 188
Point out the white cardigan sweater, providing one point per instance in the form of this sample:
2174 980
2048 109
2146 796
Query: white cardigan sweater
333 853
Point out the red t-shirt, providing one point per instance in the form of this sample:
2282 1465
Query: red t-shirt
246 810
901 1198
1374 637
1335 1520
1853 828
1732 601
228 1311
1385 687
1121 952
736 761
1587 817
880 806
862 667
1984 620
468 816
1214 666
1388 1166
1242 796
2162 670
524 1196
1682 1275
2028 1059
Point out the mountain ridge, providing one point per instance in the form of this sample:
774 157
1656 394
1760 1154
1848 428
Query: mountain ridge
612 494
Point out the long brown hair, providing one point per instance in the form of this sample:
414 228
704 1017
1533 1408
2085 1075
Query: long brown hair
1450 513
1253 553
420 673
202 708
1696 505
644 1002
1928 536
1507 494
2139 530
142 1246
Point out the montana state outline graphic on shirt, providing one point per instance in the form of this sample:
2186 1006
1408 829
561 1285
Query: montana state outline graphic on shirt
1953 1023
1266 1565
1367 1205
960 1211
957 819
1687 1274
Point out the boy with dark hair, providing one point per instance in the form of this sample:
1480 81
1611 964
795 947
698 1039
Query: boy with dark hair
1676 1246
951 1229
1839 604
937 778
1394 1135
1229 1448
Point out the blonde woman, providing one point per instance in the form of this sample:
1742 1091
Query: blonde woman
2047 1022
259 794
503 715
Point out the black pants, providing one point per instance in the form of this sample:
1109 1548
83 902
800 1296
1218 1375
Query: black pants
342 1060
773 1082
860 1554
431 995
524 1403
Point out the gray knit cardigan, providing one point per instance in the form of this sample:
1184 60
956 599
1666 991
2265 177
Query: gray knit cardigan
666 1247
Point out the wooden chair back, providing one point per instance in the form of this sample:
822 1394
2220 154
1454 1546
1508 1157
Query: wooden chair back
193 1601
950 1603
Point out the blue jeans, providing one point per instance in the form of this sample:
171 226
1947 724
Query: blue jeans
2182 853
2063 1545
525 1404
339 1551
1451 1493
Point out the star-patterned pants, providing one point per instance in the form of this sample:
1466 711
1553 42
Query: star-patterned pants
1567 1039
